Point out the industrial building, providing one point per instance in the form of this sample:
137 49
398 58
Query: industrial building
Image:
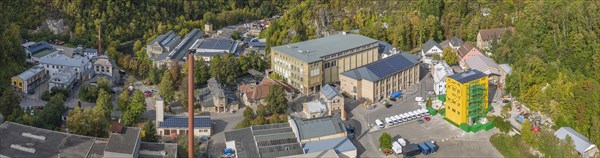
59 61
466 96
382 78
26 141
206 49
28 80
36 50
64 79
171 47
308 65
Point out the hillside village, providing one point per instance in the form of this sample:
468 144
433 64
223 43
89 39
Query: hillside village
342 94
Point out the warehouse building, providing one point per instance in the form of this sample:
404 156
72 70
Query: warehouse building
310 64
382 78
29 79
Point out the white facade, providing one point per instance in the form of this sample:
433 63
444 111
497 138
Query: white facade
440 71
56 62
104 66
64 79
427 55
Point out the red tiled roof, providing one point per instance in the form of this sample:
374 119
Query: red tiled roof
489 34
259 91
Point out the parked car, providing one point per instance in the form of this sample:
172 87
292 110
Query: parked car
147 94
379 123
419 99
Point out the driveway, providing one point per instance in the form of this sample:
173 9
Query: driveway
222 122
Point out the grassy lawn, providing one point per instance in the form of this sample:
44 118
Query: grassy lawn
510 146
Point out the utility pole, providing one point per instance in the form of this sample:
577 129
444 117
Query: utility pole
190 60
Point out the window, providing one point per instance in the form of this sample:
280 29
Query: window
354 89
167 132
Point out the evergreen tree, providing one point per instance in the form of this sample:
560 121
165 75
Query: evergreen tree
385 141
166 89
276 101
149 132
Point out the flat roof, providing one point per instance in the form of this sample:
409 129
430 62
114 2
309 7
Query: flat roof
123 142
17 140
271 140
316 106
318 127
382 68
215 44
468 76
312 50
341 144
323 154
158 150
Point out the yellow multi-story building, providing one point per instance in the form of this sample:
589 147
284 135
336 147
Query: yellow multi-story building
308 65
466 96
29 79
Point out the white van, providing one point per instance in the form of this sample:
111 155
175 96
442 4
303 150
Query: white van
404 117
389 121
397 148
379 123
399 118
402 142
426 112
412 115
394 120
418 113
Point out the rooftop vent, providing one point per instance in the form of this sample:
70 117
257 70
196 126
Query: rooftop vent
33 136
116 127
22 148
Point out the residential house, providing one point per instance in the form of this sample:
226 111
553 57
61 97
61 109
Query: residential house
308 65
28 80
254 94
206 49
583 146
464 92
430 48
26 141
440 72
377 80
488 66
486 37
217 98
455 43
467 51
106 67
178 125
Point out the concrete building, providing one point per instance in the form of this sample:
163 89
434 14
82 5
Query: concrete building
258 141
26 141
466 96
206 49
334 100
430 48
440 72
178 125
314 109
486 65
64 79
36 50
57 62
31 78
378 80
308 65
217 98
584 147
486 37
104 65
297 138
317 129
169 47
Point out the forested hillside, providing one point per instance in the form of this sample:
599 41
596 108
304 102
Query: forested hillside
554 51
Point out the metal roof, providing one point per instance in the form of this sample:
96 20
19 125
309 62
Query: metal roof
441 70
209 54
158 150
318 127
468 76
161 38
272 140
484 64
341 144
36 47
383 68
124 142
312 50
216 44
457 42
61 59
179 52
182 122
25 141
430 44
506 68
384 47
30 72
582 143
329 91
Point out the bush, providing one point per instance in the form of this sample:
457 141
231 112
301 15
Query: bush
385 141
46 95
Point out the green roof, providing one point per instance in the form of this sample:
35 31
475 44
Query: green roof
312 50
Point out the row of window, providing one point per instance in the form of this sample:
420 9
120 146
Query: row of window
330 64
350 51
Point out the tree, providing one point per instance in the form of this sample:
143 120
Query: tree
274 118
248 113
526 132
135 110
104 84
450 56
385 141
259 120
166 89
149 132
123 101
88 92
104 102
137 45
235 35
436 57
429 103
8 102
276 101
182 147
201 74
261 110
88 122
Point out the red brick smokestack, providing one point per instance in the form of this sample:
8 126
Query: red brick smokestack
190 60
99 43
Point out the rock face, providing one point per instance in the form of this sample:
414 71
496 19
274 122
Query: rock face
56 26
